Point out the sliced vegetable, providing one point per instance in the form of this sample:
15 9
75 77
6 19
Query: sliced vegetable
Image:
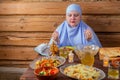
42 73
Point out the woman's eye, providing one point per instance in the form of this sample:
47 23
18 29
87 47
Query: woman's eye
69 15
74 15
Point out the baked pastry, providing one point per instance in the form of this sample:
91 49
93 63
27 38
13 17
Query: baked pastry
113 52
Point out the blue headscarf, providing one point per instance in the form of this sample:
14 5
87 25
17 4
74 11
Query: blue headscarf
74 7
72 36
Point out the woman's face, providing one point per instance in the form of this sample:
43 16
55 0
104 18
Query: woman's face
73 18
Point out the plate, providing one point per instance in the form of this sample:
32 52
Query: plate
61 59
102 74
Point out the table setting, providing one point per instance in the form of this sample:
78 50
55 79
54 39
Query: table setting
84 60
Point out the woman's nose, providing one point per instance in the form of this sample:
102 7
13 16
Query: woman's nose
72 16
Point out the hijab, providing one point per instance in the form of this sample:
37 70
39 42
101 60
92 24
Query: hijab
72 36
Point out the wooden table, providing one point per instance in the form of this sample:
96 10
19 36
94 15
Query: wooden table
29 75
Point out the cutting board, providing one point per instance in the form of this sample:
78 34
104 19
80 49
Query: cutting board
111 52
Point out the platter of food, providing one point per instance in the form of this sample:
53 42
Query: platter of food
82 72
55 61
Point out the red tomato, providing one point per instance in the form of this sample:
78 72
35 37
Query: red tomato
53 71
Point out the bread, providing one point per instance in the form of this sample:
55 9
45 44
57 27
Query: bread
113 52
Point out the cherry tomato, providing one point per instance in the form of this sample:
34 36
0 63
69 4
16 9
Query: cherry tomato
53 71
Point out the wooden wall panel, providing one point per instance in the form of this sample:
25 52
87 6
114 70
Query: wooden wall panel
34 39
104 23
17 53
24 39
50 23
110 39
58 8
15 63
52 0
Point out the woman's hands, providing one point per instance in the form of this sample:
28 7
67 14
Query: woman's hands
55 36
88 34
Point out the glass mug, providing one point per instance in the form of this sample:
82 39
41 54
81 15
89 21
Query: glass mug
86 55
87 58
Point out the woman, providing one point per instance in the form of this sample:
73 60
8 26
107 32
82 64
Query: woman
73 30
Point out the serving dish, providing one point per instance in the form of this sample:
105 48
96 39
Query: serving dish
46 73
62 60
62 68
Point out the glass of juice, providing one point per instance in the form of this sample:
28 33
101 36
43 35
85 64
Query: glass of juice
113 71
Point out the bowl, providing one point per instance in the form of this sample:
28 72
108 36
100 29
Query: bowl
46 73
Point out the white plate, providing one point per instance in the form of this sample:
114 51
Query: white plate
102 74
61 59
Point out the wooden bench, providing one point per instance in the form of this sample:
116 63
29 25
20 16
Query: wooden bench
24 25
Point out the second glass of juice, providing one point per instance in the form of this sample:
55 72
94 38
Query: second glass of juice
113 71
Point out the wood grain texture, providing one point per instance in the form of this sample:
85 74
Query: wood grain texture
24 39
103 7
15 63
100 23
17 53
34 39
109 39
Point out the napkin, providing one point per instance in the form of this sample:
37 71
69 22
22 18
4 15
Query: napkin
43 49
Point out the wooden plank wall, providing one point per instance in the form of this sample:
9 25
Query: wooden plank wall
24 25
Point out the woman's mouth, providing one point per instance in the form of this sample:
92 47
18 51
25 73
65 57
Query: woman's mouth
72 21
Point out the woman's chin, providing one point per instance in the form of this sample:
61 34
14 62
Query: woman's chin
73 25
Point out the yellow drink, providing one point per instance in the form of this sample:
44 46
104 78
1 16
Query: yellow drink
87 59
113 73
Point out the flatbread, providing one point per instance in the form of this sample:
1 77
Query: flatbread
113 52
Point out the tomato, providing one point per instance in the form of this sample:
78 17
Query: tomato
53 71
